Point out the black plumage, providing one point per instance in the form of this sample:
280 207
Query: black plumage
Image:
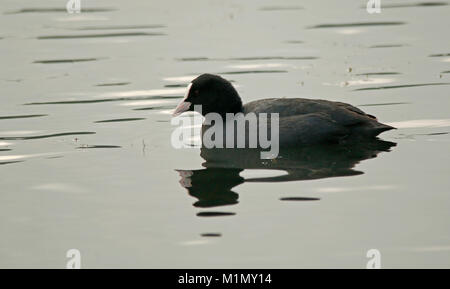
301 121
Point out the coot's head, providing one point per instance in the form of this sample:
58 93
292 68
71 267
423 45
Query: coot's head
214 93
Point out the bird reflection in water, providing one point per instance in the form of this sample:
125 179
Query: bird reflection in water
213 185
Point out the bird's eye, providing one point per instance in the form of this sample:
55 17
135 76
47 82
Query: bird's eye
194 93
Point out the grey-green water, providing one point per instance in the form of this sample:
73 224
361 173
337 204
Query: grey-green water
85 154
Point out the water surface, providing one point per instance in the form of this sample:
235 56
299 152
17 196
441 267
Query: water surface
86 160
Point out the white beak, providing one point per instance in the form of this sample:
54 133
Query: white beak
183 105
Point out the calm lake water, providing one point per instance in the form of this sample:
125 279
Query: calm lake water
86 160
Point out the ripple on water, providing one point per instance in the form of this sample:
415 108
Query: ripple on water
185 78
275 58
87 101
113 84
120 120
152 102
45 136
211 235
8 159
79 36
386 103
143 93
154 108
299 199
440 55
366 81
403 86
121 27
280 8
98 147
419 123
251 58
57 10
176 85
261 173
215 214
72 60
357 24
258 65
60 187
435 133
387 45
253 71
22 116
378 73
352 189
409 5
8 163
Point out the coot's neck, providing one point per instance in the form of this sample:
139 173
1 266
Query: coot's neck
233 108
237 107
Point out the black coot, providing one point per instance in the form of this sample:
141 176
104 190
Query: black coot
301 121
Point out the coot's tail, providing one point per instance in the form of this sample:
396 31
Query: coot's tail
369 129
379 128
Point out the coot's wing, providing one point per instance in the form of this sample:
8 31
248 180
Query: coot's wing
329 116
310 128
339 111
